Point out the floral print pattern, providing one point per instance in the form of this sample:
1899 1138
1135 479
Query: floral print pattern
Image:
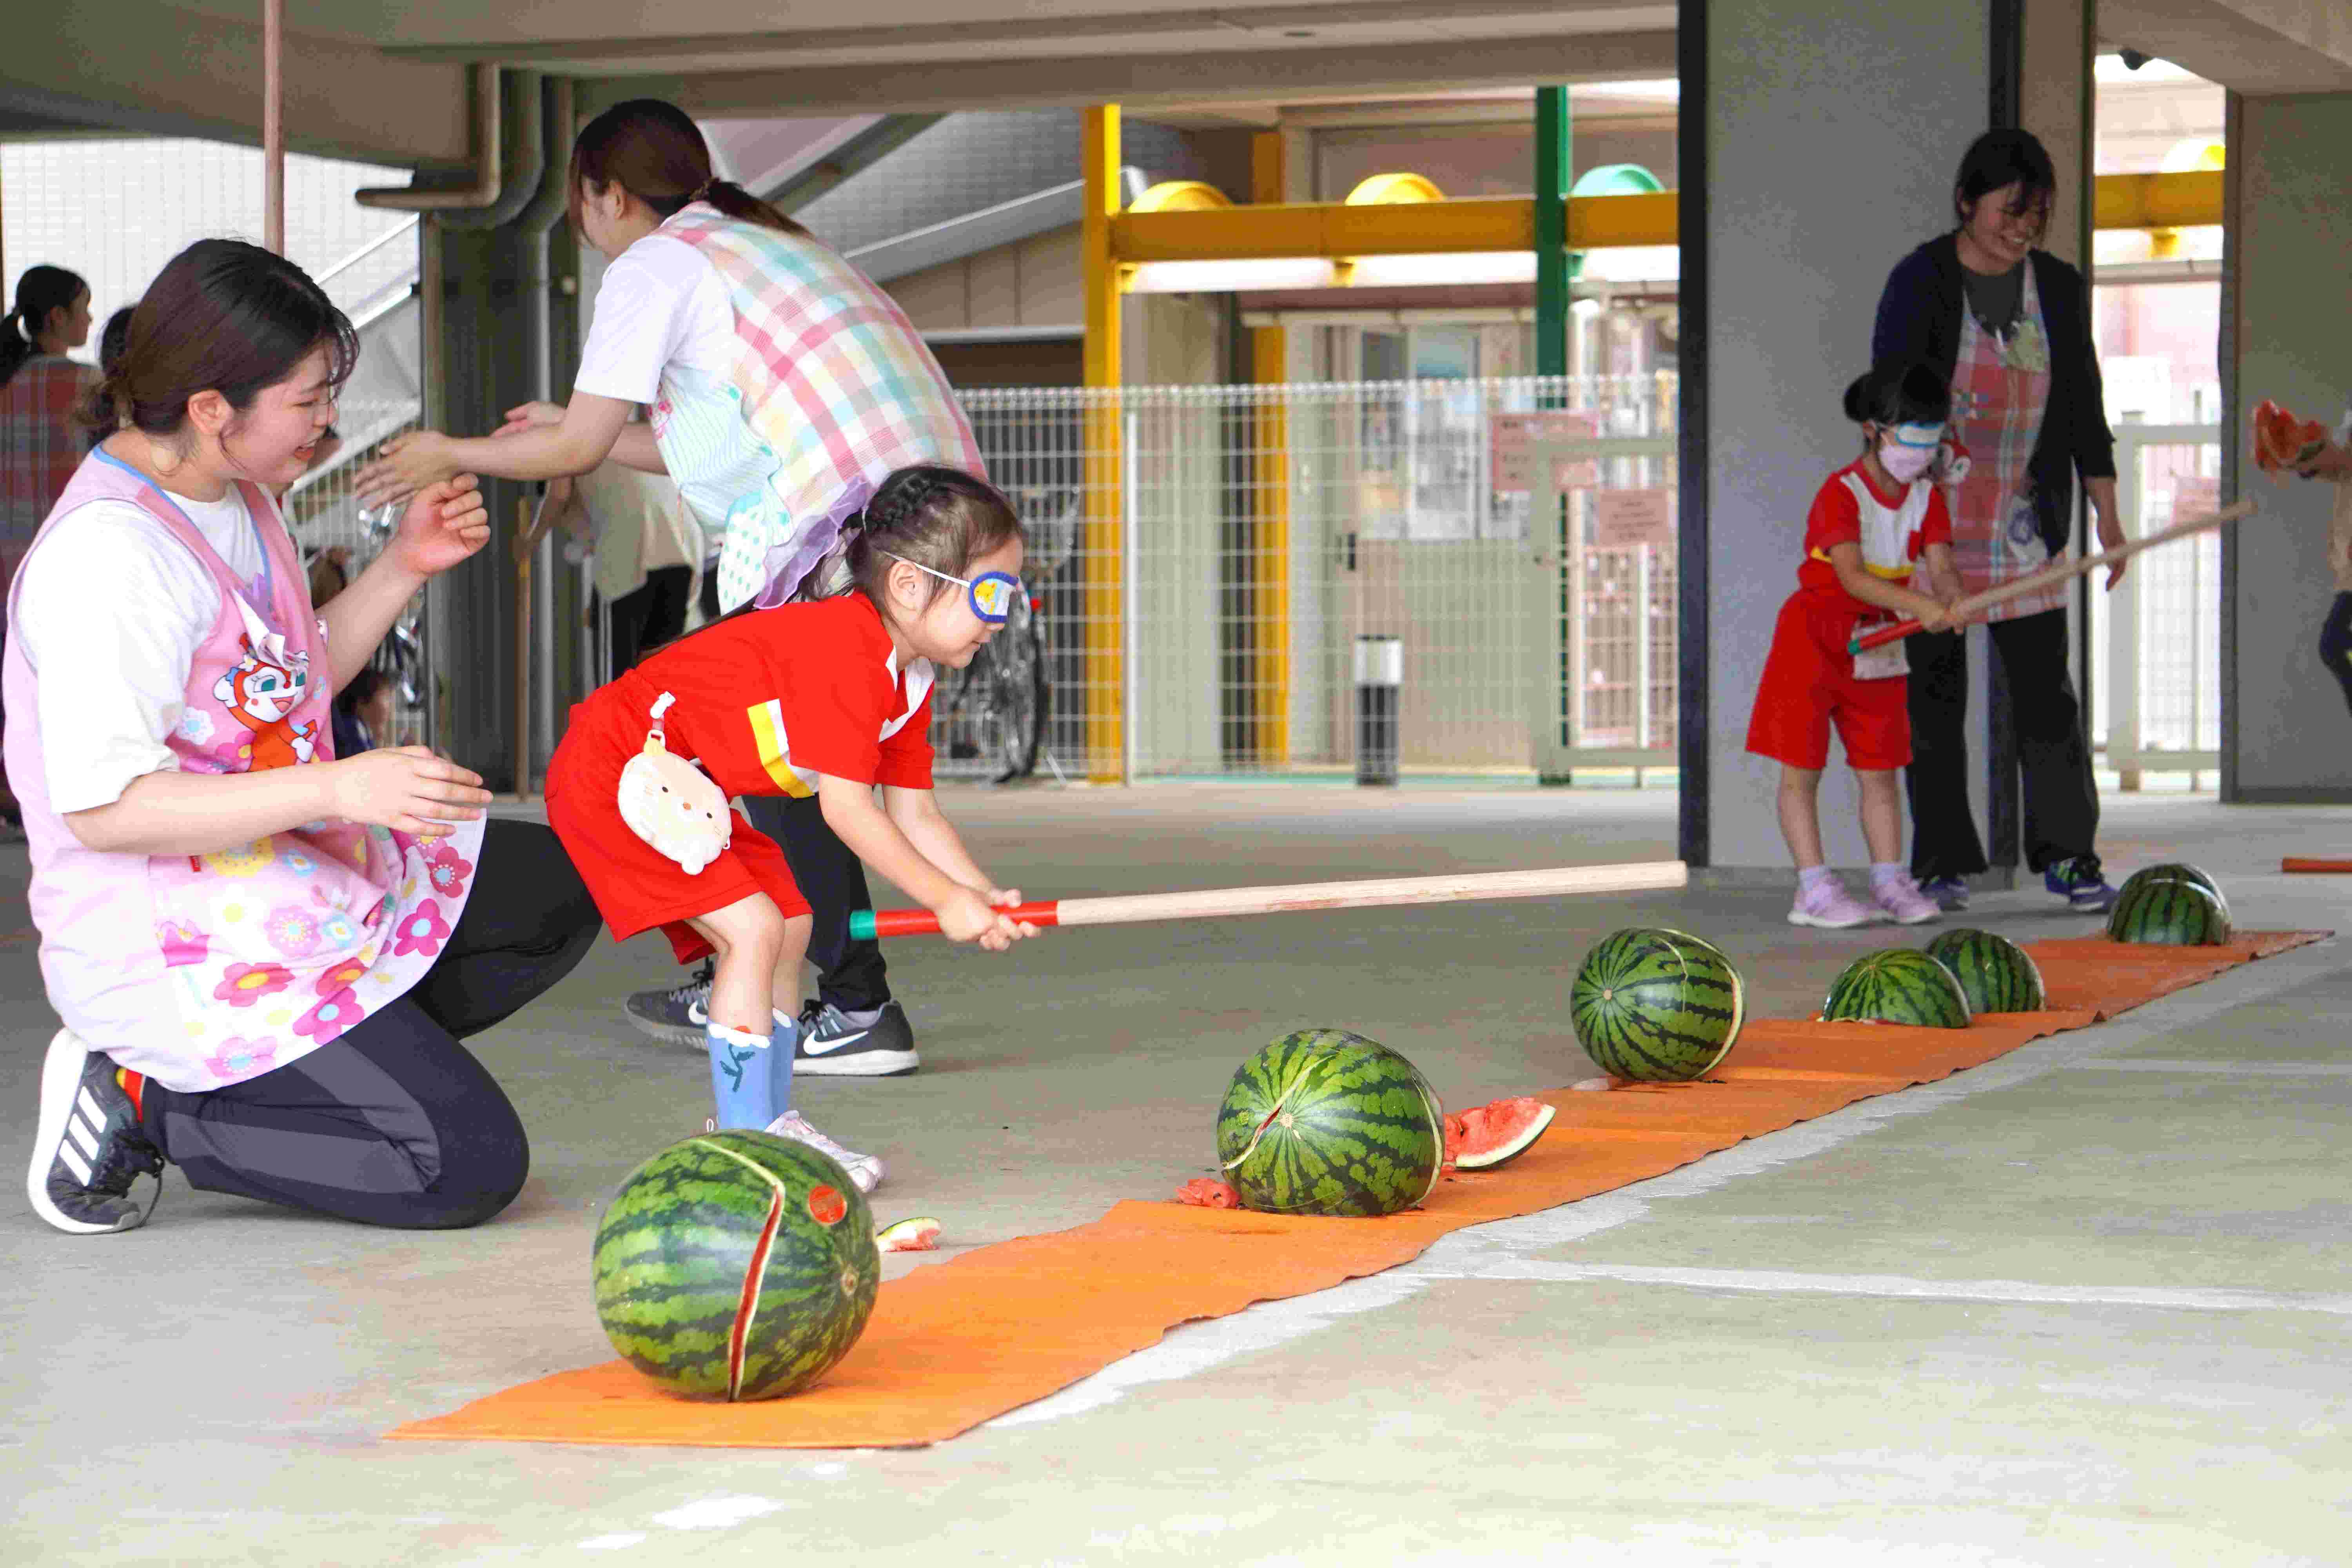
242 984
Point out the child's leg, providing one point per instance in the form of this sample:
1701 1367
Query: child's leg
1881 814
748 937
2335 644
1801 814
784 1028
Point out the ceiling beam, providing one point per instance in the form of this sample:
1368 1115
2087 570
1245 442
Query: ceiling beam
1144 81
1146 31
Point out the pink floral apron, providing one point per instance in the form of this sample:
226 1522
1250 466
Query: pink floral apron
203 971
2000 387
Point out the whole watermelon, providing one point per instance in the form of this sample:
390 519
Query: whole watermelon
2169 913
1655 1004
1996 975
1898 985
1326 1122
2173 871
736 1266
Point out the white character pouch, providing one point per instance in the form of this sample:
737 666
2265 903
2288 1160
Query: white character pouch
671 804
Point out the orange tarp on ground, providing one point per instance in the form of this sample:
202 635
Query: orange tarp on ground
956 1344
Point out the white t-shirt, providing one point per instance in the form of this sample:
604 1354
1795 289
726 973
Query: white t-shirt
661 303
111 610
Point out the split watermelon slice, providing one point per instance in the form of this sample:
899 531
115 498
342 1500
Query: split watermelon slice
2283 443
1487 1136
909 1235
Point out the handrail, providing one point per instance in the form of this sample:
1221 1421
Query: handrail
365 251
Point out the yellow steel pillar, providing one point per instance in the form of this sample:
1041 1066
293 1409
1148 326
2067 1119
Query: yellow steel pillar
1270 605
1106 603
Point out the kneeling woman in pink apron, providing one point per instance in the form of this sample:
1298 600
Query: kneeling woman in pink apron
264 957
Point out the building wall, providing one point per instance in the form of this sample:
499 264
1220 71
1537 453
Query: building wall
2291 163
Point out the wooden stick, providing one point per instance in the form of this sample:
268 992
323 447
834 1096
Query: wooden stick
2056 572
1220 903
273 125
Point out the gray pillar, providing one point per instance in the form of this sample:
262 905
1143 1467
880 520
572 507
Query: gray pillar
2284 735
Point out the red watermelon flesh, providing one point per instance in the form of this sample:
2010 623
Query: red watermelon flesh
1208 1192
909 1235
1487 1136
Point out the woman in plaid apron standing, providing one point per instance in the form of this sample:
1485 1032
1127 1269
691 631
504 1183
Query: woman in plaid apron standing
786 386
2009 326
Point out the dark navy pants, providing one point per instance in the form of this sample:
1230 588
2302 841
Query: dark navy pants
395 1123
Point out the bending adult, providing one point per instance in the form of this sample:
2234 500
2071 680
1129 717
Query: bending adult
786 386
264 956
40 437
2008 325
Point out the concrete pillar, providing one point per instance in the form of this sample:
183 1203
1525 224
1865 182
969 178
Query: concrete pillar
1819 141
2288 336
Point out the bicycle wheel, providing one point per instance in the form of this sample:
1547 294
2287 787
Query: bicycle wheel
1017 701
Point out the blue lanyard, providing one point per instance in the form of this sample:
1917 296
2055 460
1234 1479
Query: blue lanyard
267 582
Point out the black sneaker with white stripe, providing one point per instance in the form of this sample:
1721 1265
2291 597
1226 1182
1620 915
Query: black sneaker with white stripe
835 1044
673 1014
89 1150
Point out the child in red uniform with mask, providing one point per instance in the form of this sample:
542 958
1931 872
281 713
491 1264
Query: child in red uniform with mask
1876 528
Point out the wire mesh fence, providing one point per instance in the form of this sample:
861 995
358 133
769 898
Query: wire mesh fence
338 538
1205 560
2157 640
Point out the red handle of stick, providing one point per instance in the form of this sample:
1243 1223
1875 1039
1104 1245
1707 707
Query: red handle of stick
1862 642
866 924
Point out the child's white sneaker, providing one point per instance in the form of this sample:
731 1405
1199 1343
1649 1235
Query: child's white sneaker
1903 902
1830 907
866 1170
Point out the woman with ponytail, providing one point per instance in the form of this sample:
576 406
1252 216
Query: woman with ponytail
786 386
40 393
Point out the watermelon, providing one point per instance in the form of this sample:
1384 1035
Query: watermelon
1898 985
1326 1122
1655 1004
736 1266
1487 1136
2173 871
2169 913
920 1235
1996 975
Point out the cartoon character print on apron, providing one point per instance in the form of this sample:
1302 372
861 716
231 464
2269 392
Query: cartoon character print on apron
2001 388
277 947
832 391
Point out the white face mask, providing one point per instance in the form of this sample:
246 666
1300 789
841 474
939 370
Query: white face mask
1908 451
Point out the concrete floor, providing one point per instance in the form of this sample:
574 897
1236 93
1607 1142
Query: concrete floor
2082 1305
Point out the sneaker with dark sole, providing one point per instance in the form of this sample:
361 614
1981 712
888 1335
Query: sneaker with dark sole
1950 893
89 1150
2081 883
674 1015
835 1044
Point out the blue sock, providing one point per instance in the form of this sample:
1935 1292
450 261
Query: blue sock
740 1078
783 1041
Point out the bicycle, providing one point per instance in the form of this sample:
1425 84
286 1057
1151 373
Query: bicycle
997 707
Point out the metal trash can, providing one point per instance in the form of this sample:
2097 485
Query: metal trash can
1379 673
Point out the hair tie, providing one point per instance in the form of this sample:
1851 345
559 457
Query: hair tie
703 192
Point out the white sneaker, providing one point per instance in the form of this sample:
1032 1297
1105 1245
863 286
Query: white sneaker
866 1170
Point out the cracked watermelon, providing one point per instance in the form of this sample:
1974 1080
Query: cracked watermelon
736 1266
1326 1122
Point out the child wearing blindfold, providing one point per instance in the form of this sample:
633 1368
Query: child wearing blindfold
829 697
1878 547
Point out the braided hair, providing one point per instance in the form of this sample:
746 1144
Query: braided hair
933 516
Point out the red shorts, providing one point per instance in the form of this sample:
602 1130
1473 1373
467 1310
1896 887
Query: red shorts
635 886
1809 687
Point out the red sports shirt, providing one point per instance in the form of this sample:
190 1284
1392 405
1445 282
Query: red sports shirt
1894 530
768 701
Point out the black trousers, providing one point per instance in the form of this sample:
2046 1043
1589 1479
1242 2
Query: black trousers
850 974
650 615
2335 644
2062 797
395 1123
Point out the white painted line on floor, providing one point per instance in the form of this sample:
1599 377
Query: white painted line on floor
1489 1251
717 1513
2220 1069
1775 1281
620 1543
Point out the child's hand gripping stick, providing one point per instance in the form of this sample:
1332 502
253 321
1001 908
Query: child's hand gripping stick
2056 572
